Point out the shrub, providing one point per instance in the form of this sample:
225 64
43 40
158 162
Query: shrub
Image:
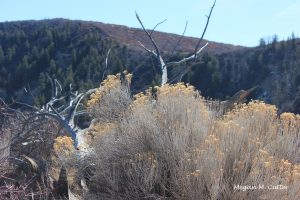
168 143
111 100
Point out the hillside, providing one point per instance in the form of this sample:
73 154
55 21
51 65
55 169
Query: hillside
274 69
166 41
66 50
75 51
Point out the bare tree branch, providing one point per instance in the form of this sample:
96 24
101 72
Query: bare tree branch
8 108
156 52
150 51
70 111
31 94
181 37
157 26
149 36
26 105
106 64
194 56
55 86
204 31
62 112
163 66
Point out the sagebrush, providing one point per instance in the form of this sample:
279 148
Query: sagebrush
167 143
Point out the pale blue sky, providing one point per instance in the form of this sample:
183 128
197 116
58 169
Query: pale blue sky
240 22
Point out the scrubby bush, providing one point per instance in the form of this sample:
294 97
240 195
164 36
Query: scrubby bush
167 144
25 149
111 100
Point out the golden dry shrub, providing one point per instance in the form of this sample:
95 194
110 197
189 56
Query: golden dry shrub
290 121
64 155
99 130
109 103
111 82
169 121
258 148
171 144
63 146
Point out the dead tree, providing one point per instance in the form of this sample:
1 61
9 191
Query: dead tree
64 109
157 53
60 111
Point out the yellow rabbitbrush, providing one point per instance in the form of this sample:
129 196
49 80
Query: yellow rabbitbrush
251 152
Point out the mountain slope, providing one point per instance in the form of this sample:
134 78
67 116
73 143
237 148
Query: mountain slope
74 52
273 68
166 41
60 48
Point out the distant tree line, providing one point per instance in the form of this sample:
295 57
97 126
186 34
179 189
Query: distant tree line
74 52
220 76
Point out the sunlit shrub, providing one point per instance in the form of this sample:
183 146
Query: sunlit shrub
169 143
63 146
109 103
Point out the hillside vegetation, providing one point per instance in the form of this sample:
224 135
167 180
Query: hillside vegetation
75 52
69 51
274 68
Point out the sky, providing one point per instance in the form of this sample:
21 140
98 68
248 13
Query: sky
238 22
